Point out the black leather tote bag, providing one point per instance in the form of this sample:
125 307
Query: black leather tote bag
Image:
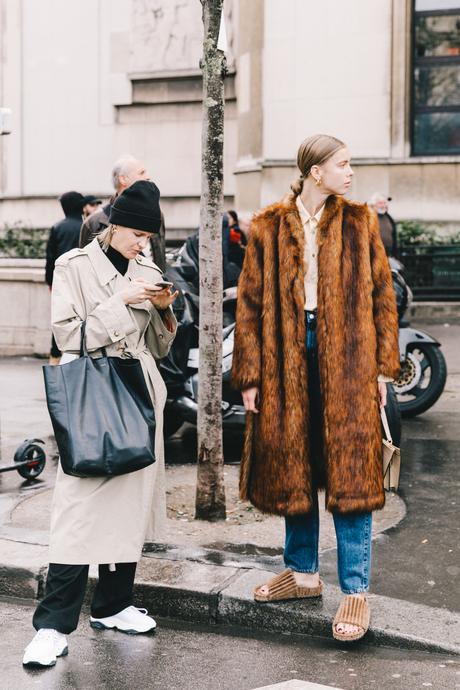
102 415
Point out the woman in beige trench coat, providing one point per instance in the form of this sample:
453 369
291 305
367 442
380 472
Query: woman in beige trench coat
101 520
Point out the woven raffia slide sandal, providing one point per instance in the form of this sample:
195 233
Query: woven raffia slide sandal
352 611
284 586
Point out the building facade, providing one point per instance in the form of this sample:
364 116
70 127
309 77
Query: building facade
90 80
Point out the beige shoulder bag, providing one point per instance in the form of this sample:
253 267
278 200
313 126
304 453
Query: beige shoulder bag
391 457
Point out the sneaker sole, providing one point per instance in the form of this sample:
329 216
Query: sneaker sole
100 626
37 664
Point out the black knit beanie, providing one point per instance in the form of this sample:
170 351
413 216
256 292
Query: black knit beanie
138 207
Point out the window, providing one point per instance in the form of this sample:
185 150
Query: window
436 78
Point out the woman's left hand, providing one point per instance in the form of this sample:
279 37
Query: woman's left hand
163 298
159 297
382 393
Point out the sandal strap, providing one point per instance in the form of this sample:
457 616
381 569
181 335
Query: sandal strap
353 611
281 584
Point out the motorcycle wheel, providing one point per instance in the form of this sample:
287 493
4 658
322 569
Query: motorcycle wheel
425 368
37 461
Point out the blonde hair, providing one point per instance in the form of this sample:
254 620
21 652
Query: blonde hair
314 151
105 237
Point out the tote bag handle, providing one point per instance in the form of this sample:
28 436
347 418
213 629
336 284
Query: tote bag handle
83 348
386 427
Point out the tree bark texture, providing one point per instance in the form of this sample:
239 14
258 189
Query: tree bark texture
210 493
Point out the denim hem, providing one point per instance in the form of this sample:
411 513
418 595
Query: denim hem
355 591
306 572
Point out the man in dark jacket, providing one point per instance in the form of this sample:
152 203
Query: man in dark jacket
126 170
379 202
64 236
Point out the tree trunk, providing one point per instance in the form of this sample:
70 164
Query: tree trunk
210 491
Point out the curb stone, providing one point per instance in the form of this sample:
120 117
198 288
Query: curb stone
219 595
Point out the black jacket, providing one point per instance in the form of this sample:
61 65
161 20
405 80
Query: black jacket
388 234
95 224
65 234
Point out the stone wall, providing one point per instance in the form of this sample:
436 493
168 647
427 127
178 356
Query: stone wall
24 308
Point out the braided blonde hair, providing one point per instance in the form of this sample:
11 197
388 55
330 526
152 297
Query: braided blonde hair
314 151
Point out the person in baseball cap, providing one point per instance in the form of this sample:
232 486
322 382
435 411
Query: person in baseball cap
90 205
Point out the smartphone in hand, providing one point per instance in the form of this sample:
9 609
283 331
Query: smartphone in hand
164 284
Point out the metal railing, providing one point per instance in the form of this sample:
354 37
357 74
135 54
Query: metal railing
432 271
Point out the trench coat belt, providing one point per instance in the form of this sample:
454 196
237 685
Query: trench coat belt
134 353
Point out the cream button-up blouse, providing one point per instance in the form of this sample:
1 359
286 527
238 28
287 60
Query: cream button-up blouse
310 224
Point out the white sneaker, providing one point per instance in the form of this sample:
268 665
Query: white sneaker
44 649
131 621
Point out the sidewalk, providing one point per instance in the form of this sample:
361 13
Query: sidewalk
206 572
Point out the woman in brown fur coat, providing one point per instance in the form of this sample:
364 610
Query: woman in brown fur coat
316 340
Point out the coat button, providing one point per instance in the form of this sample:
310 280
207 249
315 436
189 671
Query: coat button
160 335
116 334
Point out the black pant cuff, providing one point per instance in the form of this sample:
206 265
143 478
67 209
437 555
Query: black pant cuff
112 610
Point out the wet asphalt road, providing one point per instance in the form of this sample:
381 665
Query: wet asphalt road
186 657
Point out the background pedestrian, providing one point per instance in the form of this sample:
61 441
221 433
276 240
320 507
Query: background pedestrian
126 170
379 203
64 236
91 205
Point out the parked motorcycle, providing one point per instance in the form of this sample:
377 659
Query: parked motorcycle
423 368
180 368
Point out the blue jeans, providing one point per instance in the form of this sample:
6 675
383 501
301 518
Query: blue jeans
353 531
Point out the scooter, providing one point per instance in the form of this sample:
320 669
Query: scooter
29 459
423 367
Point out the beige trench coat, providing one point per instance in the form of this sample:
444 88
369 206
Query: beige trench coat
100 519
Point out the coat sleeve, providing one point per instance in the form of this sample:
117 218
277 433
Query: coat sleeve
161 332
107 323
247 355
384 305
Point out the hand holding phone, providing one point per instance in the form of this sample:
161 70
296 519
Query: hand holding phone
164 284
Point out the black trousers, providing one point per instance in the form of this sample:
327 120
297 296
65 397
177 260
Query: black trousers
65 591
55 351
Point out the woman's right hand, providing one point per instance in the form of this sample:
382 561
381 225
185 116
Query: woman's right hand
136 292
251 399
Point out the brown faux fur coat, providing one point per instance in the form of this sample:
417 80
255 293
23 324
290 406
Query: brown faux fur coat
357 331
